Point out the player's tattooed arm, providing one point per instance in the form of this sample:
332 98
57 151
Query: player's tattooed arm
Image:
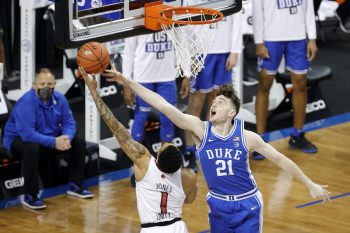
132 148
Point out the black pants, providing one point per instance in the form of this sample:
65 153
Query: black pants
30 153
344 10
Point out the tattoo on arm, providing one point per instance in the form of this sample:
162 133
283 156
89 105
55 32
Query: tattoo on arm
132 148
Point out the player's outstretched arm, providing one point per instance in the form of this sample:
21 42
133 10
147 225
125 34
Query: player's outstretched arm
255 143
181 120
133 149
189 184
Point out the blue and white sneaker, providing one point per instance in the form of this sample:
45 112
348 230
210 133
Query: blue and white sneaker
77 191
33 202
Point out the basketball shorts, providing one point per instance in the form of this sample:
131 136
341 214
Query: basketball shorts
243 215
213 75
168 91
295 53
177 227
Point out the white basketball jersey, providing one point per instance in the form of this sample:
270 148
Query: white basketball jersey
149 58
283 20
160 196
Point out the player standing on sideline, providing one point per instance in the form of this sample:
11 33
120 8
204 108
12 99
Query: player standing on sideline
162 187
223 146
282 28
150 61
221 59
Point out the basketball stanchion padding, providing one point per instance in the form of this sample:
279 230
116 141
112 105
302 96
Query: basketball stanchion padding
188 28
93 57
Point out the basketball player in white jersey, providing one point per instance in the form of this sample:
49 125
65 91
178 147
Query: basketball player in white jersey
223 146
162 187
221 59
284 28
150 61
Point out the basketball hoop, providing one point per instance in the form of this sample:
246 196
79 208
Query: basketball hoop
188 28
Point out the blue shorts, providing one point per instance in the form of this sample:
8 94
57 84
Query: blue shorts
168 91
239 216
295 53
213 75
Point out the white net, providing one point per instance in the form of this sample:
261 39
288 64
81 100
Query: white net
191 42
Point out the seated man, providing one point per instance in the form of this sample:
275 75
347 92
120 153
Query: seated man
41 124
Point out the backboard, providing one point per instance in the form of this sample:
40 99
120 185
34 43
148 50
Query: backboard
80 21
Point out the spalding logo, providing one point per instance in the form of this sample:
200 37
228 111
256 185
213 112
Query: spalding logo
87 52
81 34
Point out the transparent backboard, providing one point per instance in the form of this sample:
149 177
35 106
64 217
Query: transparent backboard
80 21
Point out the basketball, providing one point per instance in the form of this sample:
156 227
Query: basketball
93 57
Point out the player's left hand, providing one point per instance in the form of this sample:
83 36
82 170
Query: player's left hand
311 50
317 190
113 75
231 61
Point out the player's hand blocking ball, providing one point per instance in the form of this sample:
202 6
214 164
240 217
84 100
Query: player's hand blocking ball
93 57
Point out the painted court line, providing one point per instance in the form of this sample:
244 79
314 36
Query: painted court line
315 125
320 201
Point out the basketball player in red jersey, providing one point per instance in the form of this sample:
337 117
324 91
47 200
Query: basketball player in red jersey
161 186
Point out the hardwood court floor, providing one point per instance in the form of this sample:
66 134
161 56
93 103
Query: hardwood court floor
114 207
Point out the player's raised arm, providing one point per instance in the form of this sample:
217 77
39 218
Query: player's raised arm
181 120
255 143
134 150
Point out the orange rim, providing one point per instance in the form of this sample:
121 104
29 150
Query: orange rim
165 15
157 14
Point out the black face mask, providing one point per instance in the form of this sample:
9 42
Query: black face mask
45 93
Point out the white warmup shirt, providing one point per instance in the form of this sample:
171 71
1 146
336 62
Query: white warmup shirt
283 20
228 37
159 195
228 32
149 58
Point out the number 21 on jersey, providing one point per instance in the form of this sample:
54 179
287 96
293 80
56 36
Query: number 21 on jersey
224 168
